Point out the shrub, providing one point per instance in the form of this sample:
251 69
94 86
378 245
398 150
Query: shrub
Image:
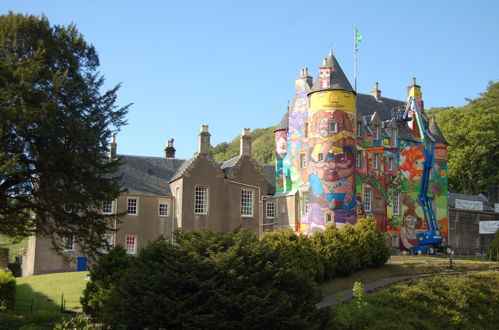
298 252
104 277
373 248
4 257
7 291
494 247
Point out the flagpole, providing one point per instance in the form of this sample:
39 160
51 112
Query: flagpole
355 56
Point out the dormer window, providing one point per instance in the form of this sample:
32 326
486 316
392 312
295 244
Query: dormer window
376 132
359 129
394 138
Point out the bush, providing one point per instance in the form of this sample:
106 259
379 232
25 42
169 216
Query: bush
298 252
104 277
243 282
7 291
4 257
494 247
373 249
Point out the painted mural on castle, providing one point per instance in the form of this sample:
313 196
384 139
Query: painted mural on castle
345 155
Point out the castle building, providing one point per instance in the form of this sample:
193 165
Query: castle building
339 156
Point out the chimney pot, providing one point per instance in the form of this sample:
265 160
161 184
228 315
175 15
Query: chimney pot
170 150
204 140
376 92
245 147
113 146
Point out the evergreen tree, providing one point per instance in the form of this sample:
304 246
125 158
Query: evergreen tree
55 124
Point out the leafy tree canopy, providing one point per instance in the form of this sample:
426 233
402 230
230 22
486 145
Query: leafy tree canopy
55 124
472 132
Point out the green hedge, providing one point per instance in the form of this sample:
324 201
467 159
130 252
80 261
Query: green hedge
4 257
7 291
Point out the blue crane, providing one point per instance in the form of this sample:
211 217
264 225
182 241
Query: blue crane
431 239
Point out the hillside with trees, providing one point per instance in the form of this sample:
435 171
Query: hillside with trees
262 147
472 132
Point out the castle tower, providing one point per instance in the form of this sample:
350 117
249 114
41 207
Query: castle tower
327 166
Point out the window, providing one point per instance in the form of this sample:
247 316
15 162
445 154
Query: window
247 203
107 208
359 129
131 244
391 164
329 218
163 207
376 161
303 161
395 241
201 200
376 132
177 200
305 201
333 128
132 206
270 210
368 195
110 242
394 138
321 157
396 204
69 243
358 159
306 130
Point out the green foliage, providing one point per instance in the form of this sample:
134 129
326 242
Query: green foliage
4 257
298 251
472 132
7 291
348 249
460 302
494 247
55 126
212 280
262 148
104 277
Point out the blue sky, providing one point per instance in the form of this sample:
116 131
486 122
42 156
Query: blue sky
232 64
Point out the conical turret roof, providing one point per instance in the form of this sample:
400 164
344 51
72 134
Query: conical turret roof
338 78
436 132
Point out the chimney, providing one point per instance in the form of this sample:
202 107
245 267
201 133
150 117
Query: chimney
112 147
169 150
304 76
376 92
204 140
245 143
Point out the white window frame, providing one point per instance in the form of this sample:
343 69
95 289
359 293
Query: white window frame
177 200
328 217
163 212
376 161
367 199
394 138
106 206
391 163
131 207
69 243
131 249
201 195
247 203
396 203
303 160
110 239
358 159
270 210
376 132
359 129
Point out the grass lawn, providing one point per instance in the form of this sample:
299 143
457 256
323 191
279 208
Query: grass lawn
13 245
45 291
405 265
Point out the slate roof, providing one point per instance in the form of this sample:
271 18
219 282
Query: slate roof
148 175
152 175
436 132
284 123
487 206
338 79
